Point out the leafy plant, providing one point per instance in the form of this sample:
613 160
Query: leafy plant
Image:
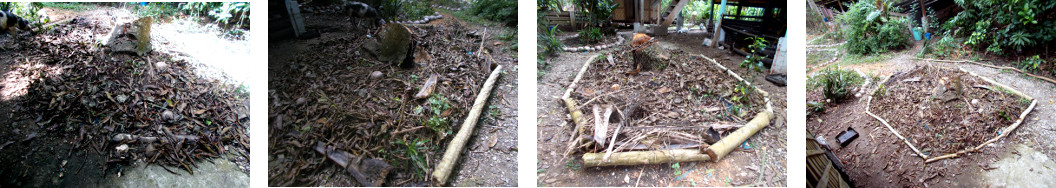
591 35
995 25
598 11
838 83
815 107
755 61
549 43
503 11
438 123
1032 64
417 159
870 30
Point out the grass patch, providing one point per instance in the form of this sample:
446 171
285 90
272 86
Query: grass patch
66 6
462 15
819 57
854 59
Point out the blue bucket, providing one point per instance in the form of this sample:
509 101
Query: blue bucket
927 36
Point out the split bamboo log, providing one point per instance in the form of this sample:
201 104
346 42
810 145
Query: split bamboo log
446 164
643 157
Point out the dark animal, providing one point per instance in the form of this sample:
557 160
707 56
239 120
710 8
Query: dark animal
9 22
362 10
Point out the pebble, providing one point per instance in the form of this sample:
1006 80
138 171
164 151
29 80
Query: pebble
121 98
373 75
122 148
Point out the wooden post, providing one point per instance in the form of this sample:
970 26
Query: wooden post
718 26
447 163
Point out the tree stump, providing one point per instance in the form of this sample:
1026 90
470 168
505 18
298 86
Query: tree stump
131 37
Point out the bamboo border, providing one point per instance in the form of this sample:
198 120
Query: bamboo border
1005 132
714 152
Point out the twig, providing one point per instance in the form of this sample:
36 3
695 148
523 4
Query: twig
992 66
483 37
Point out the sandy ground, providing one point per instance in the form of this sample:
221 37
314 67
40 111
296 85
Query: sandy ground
758 166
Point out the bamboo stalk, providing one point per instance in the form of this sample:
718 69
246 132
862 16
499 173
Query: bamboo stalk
726 145
572 87
643 157
446 164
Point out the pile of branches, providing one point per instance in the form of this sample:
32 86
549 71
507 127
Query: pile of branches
128 108
677 101
338 94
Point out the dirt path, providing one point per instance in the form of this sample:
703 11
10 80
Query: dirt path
762 165
879 159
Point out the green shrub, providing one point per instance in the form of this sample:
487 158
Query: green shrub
548 42
591 35
871 30
996 25
838 84
502 11
598 11
1032 64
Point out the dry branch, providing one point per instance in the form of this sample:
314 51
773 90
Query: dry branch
446 164
1050 80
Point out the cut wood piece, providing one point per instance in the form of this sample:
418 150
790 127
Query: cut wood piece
643 157
427 88
447 163
601 123
368 172
624 118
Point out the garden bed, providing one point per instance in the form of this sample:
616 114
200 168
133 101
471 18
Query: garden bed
668 106
946 112
338 95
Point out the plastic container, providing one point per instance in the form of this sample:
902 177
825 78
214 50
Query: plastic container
927 36
916 33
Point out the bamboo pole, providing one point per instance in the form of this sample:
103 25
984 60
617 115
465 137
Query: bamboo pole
572 87
714 152
643 157
446 164
726 145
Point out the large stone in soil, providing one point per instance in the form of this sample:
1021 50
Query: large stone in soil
131 37
396 43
